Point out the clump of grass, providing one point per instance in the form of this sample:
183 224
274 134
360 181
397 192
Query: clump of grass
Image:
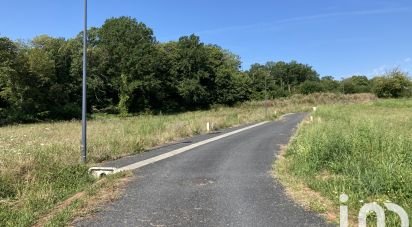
80 205
362 150
39 162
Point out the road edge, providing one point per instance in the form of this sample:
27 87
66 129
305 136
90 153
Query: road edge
296 190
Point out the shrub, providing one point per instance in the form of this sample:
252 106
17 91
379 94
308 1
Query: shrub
309 87
356 84
394 84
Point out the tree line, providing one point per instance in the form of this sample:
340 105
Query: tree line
129 71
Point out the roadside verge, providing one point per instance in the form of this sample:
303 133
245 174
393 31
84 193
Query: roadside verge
297 190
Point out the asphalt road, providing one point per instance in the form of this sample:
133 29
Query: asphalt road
224 183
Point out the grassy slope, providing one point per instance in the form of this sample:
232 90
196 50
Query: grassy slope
39 162
362 150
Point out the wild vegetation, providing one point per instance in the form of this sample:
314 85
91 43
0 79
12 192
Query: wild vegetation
362 150
131 72
39 162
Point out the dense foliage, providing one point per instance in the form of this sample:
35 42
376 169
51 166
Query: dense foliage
130 72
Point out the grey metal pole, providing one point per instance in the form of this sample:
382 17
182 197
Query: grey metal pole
84 104
266 97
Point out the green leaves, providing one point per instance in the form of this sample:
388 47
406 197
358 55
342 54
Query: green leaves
130 72
131 51
394 84
280 79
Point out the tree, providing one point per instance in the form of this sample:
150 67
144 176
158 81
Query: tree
101 88
394 84
130 48
194 74
23 83
259 80
8 68
281 78
40 86
329 84
50 60
299 73
232 86
356 84
309 87
279 73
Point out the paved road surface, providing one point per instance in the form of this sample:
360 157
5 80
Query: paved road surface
223 183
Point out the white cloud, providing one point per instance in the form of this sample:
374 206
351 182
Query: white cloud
304 19
404 65
379 70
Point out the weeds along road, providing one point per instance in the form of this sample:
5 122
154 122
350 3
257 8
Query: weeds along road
224 183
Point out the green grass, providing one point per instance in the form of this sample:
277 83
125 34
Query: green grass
88 202
363 150
39 162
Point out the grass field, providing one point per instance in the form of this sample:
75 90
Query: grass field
39 163
362 150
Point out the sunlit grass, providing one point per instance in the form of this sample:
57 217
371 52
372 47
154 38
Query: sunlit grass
363 150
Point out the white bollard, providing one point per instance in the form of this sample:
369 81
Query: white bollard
208 127
314 109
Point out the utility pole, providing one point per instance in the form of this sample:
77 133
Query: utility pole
266 96
84 104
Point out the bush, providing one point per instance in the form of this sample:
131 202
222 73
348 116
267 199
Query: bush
395 84
356 84
67 111
309 87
